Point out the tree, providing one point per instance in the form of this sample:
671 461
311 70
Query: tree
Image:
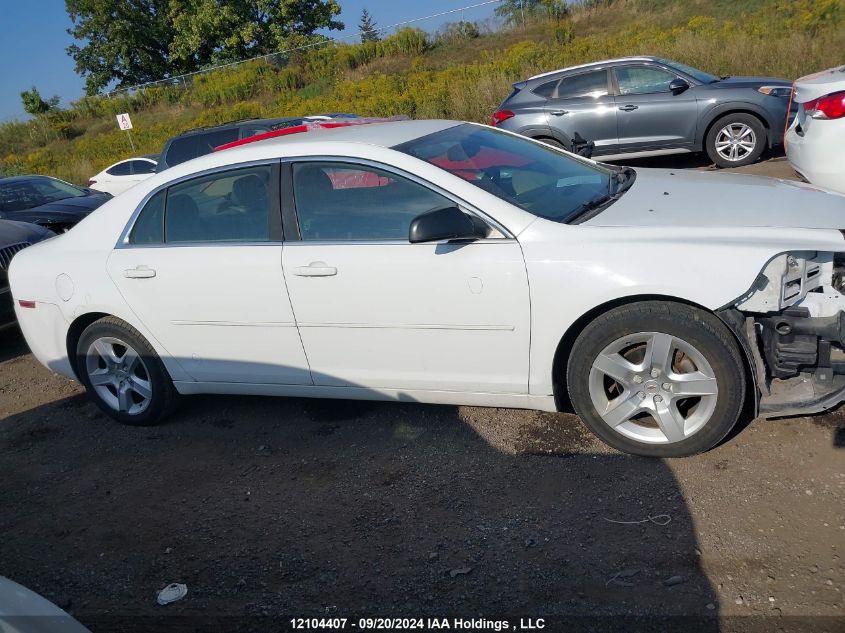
124 41
35 105
212 31
127 42
368 28
516 11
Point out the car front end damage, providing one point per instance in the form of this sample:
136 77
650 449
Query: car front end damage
792 325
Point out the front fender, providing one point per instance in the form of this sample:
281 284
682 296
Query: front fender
709 115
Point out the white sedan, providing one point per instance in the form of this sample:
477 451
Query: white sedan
451 263
815 142
124 174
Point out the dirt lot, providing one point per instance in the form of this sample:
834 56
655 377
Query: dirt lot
276 508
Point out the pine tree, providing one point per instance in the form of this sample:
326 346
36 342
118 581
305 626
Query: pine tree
368 28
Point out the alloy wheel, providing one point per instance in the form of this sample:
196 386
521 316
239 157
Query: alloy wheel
735 141
118 375
653 387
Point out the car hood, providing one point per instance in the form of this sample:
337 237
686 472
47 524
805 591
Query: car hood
16 232
664 197
72 209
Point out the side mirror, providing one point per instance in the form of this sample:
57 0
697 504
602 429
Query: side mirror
445 224
677 86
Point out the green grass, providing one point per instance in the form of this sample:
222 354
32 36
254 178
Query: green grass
413 74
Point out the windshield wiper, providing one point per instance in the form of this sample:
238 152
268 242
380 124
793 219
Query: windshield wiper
620 181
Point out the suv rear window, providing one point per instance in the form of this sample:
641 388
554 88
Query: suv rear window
185 148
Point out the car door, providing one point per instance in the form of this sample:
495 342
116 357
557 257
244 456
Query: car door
650 116
583 104
202 269
379 312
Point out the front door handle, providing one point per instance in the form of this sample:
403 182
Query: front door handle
559 112
139 272
315 269
628 108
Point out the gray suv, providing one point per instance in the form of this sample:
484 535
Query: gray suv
647 106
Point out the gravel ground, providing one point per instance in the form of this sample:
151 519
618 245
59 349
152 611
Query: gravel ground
280 508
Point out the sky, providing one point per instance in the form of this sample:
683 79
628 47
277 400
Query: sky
33 39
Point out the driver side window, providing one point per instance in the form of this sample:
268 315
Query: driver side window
344 201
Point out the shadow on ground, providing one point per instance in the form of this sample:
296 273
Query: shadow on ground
283 507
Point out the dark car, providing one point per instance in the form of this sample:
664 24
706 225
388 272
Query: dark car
14 237
647 106
48 202
202 141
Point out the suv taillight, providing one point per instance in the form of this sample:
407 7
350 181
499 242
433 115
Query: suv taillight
830 106
499 116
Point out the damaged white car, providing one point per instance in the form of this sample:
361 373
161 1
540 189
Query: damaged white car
451 263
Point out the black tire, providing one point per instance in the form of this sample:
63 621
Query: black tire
691 326
163 396
737 119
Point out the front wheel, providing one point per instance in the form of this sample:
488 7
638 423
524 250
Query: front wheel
657 379
736 140
123 374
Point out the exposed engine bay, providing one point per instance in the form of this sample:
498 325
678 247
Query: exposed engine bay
793 322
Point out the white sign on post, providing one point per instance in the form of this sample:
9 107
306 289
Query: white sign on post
124 121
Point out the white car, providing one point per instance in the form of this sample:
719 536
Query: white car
124 174
451 263
815 142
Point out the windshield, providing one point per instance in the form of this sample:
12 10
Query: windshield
695 73
33 192
530 175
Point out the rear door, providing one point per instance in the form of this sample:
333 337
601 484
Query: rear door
583 104
202 269
649 115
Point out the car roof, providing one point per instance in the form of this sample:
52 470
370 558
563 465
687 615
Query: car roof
239 123
618 60
384 134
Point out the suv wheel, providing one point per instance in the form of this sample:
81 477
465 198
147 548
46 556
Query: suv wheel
657 379
736 140
122 373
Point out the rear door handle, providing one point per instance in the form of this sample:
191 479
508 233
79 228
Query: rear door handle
559 112
139 272
315 269
628 108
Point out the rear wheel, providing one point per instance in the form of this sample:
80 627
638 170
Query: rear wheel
735 140
657 379
123 374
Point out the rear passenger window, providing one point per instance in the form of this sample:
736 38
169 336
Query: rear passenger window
340 201
142 167
149 227
231 206
592 84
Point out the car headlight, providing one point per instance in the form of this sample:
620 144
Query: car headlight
775 91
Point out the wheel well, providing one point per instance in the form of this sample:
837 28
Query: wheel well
564 347
737 111
546 137
75 332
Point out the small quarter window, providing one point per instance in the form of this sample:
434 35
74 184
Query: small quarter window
149 227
